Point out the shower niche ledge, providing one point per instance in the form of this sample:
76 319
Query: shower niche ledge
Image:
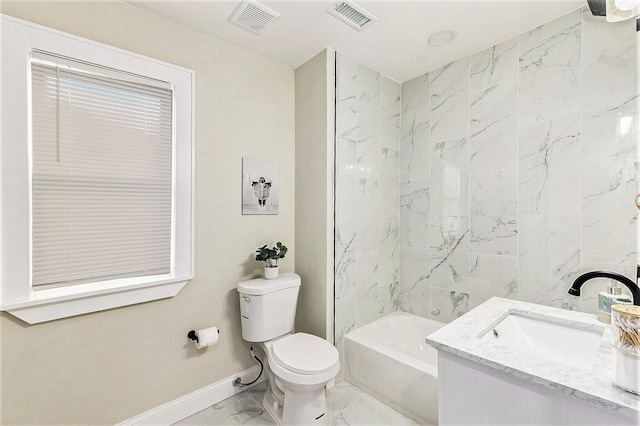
486 376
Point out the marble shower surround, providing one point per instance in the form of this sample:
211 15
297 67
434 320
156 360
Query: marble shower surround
504 173
515 175
367 211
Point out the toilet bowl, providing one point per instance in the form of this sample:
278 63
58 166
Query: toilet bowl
298 365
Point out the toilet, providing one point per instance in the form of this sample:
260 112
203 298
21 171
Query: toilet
299 365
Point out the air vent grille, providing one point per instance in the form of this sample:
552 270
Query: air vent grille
253 16
352 14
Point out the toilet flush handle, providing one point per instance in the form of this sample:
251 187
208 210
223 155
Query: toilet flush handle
246 298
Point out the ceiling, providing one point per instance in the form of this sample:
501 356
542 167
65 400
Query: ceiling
395 45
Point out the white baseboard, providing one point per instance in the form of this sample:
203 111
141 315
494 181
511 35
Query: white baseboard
193 402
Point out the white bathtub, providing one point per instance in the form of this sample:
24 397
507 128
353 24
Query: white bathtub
390 360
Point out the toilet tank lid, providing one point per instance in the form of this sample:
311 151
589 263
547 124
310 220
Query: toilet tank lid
260 286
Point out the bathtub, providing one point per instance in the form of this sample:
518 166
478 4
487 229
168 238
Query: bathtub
390 360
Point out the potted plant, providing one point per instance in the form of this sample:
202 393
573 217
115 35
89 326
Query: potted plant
270 257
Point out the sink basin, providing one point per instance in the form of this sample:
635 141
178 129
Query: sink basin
571 343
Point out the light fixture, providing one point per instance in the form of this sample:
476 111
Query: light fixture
440 38
627 4
620 10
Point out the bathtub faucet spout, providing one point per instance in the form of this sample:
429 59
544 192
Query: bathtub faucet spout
633 287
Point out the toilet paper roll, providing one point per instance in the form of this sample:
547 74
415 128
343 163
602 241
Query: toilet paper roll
207 337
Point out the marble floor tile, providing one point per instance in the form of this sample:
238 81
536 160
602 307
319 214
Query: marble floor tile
346 405
240 409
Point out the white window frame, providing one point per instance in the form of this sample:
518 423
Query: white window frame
17 295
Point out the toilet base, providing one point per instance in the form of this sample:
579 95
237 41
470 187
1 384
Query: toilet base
271 405
304 406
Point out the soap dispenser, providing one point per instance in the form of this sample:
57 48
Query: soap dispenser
613 296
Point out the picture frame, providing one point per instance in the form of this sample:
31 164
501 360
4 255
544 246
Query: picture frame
260 186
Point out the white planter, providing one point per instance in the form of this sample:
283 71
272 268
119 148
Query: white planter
271 273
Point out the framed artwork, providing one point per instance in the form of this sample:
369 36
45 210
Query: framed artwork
260 186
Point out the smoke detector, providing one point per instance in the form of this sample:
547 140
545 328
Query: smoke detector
253 16
352 14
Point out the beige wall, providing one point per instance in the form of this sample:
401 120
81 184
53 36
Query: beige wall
315 93
107 367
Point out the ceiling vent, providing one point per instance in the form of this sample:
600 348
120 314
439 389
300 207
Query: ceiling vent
352 14
253 16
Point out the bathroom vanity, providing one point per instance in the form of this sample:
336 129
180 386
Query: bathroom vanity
512 362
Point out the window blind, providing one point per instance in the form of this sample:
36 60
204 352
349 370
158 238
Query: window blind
102 178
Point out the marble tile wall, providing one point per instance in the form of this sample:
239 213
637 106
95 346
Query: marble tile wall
517 170
505 173
367 211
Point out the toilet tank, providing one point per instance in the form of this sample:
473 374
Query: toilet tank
268 307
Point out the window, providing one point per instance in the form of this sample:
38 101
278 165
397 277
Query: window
105 153
101 174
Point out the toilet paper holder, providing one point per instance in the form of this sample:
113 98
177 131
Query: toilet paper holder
193 336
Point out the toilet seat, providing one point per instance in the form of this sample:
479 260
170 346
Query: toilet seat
307 360
304 353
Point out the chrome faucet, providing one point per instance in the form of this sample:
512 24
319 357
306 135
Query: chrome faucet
633 287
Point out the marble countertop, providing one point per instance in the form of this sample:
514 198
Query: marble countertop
594 386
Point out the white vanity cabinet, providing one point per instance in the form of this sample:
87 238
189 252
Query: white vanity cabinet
484 380
470 393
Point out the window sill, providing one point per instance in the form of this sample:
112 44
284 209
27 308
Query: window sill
41 309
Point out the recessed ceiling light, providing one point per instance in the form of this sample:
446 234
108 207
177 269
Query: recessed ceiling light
440 38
